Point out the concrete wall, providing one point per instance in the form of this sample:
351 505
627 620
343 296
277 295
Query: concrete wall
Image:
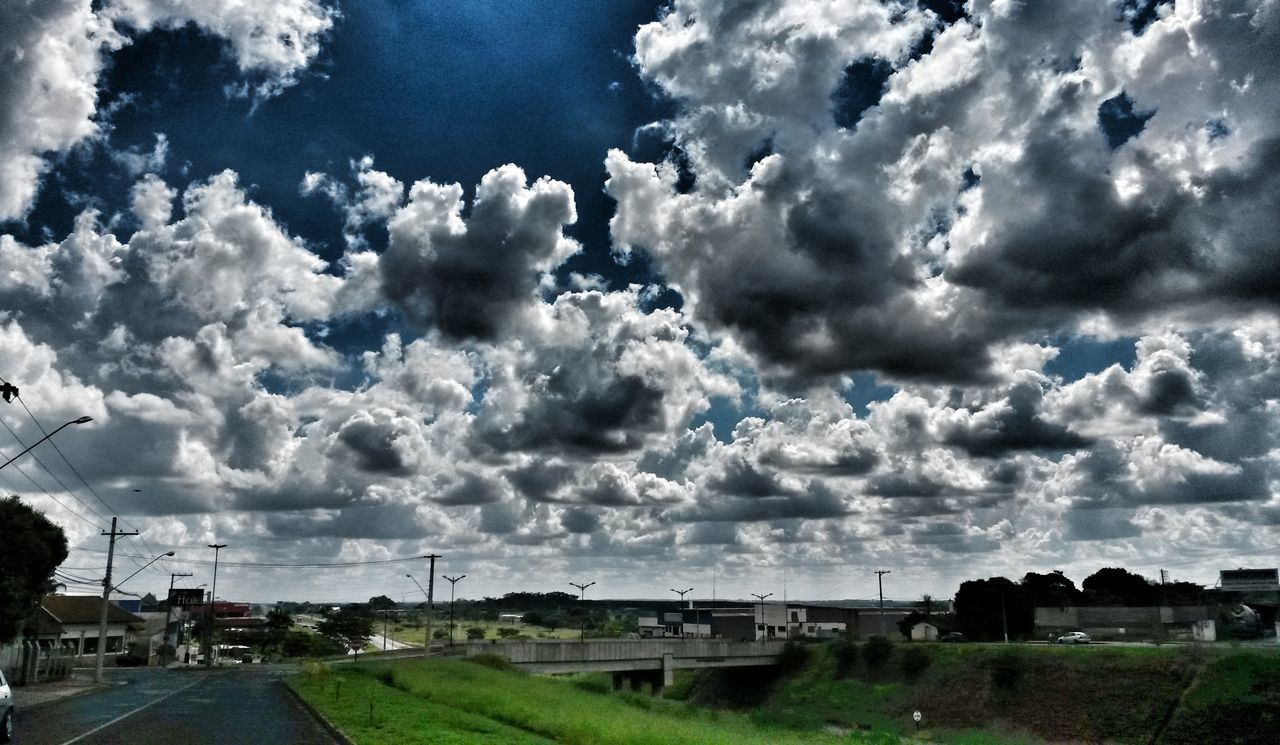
606 650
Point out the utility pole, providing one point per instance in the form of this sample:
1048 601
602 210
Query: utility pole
582 612
168 613
213 595
1004 619
431 589
453 583
682 593
880 581
764 628
106 599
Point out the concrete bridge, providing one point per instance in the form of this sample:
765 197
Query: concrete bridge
634 661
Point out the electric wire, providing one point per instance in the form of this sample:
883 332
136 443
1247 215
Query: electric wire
266 565
51 474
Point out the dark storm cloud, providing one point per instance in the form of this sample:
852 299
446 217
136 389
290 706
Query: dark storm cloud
952 538
1015 423
1077 245
578 415
472 489
372 443
817 501
1100 524
671 463
539 480
500 518
469 276
385 522
577 520
713 534
741 478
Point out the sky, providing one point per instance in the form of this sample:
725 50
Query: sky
751 296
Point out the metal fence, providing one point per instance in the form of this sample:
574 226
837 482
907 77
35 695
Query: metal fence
25 663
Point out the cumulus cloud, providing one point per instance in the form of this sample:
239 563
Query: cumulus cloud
53 53
469 276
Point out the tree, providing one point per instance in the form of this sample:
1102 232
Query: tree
350 626
31 547
278 624
1052 589
983 606
382 602
475 632
1118 586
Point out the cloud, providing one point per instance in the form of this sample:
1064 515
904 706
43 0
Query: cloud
53 53
469 276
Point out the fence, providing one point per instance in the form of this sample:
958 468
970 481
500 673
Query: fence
25 663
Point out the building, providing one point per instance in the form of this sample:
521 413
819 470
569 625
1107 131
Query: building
72 622
1123 622
924 632
1249 580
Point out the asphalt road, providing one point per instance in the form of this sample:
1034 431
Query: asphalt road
170 707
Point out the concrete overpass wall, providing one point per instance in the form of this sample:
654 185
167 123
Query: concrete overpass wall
623 650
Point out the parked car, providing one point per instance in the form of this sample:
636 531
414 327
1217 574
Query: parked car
6 711
952 636
1075 637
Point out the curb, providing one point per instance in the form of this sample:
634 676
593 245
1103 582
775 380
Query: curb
337 734
56 699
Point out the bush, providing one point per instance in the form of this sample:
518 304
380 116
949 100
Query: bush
846 656
475 632
793 657
877 651
1007 671
914 662
506 632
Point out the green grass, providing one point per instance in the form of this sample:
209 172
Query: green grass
1238 694
453 701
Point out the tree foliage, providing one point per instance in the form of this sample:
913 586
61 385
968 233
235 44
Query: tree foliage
1117 586
31 547
350 626
382 602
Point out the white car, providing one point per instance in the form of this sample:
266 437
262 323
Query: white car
1075 637
6 711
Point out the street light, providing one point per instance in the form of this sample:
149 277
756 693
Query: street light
107 587
582 613
764 628
453 582
682 593
428 597
81 420
213 593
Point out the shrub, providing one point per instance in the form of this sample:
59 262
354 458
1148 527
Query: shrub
877 652
793 657
846 656
475 632
506 632
1007 670
914 662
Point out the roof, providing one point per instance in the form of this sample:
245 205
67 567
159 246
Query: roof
72 609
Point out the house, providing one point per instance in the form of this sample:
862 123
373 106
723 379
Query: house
924 632
72 621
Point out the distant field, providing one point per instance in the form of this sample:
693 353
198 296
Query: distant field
445 701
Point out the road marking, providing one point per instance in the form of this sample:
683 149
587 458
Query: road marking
101 727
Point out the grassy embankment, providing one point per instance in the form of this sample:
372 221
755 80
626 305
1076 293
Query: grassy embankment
446 702
968 694
991 693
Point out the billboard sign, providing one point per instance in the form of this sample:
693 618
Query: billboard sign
182 597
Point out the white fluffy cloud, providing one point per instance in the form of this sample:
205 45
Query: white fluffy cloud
53 52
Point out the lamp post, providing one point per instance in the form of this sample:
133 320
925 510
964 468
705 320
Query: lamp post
453 583
107 587
682 593
213 593
582 612
764 628
81 420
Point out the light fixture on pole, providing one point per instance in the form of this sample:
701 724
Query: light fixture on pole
880 573
428 597
582 612
213 594
106 599
682 593
81 420
764 629
453 583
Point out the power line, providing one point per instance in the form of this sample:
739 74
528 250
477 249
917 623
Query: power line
266 565
51 474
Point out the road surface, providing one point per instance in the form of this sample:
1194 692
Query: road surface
151 706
